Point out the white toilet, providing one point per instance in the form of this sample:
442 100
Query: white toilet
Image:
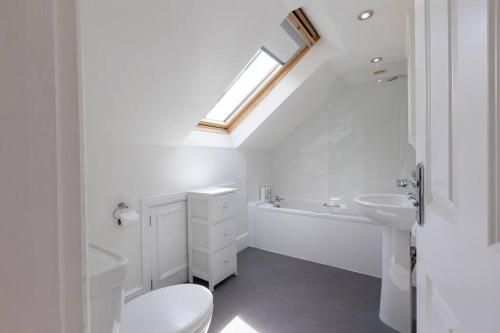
181 308
184 308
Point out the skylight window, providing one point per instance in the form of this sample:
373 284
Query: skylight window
259 77
254 75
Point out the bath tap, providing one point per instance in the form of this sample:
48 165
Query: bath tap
277 200
332 205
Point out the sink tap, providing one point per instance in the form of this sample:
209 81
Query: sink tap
413 198
404 182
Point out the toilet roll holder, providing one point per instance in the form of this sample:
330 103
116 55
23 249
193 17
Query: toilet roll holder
121 206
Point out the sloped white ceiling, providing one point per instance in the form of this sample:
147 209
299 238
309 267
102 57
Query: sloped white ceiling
153 68
354 43
312 96
359 41
309 98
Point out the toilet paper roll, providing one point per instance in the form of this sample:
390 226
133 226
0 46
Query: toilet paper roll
127 219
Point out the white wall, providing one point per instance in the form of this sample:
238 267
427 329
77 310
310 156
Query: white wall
42 287
154 68
258 172
128 172
356 143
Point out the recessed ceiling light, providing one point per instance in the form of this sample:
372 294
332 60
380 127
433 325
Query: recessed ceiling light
380 71
365 15
379 80
376 59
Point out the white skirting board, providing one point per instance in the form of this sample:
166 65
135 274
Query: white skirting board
242 241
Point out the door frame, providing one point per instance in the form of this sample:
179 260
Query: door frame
494 122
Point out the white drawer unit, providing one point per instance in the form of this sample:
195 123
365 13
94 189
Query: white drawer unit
211 238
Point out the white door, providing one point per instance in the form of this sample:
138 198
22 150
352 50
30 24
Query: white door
458 281
168 237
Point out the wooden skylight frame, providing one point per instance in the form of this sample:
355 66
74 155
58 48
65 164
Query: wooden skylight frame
308 33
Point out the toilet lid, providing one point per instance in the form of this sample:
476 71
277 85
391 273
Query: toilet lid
179 308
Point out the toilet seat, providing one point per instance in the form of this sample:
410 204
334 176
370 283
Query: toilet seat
184 308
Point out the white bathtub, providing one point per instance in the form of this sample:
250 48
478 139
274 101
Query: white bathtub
340 237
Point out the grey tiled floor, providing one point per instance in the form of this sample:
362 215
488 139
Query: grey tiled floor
275 293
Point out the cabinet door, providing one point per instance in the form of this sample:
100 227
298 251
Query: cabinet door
224 263
169 244
222 234
222 207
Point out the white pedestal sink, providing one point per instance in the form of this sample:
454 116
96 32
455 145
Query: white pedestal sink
396 214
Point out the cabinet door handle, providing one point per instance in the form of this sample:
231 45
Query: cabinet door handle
225 205
226 260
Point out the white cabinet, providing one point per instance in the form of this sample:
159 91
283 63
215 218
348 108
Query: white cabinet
211 238
169 242
163 244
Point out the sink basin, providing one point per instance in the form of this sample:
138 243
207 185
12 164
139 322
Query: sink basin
107 272
396 215
392 210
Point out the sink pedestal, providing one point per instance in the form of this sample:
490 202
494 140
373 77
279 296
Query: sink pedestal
395 296
396 215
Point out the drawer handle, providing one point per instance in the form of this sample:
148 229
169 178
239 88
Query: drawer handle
225 205
226 260
226 233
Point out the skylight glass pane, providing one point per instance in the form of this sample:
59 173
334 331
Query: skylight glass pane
260 67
